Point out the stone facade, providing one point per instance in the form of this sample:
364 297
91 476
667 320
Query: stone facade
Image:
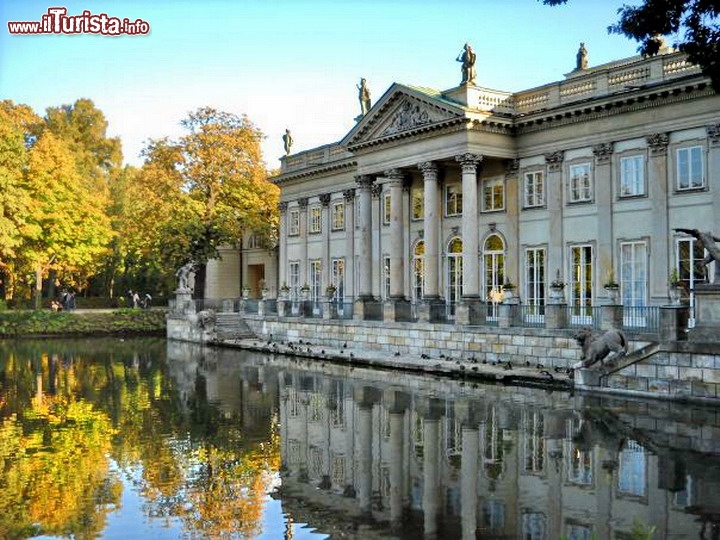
442 197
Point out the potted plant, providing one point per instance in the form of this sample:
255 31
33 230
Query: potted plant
330 291
612 287
557 286
674 287
284 292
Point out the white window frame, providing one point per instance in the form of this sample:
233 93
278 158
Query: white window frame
632 175
293 279
453 200
294 223
581 284
535 282
418 271
694 176
491 188
315 280
534 189
580 182
338 216
688 263
386 277
315 220
338 280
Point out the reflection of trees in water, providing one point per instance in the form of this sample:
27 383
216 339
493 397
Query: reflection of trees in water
116 398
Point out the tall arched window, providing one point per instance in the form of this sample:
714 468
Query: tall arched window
453 281
493 267
418 269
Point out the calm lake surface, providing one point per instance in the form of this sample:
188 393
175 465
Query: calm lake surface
141 438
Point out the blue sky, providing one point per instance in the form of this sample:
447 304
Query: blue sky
286 63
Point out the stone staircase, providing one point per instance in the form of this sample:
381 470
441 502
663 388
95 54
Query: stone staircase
232 326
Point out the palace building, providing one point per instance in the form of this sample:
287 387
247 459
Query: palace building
438 201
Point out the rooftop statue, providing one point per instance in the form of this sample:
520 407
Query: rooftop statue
467 57
582 58
364 97
707 241
287 142
183 275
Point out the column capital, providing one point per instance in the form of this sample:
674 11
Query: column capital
282 207
394 174
512 167
713 133
658 143
303 202
429 170
325 199
603 152
349 194
469 162
376 190
554 160
364 181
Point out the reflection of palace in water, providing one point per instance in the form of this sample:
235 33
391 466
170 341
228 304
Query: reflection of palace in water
372 451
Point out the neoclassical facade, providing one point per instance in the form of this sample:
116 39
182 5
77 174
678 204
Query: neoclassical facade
443 198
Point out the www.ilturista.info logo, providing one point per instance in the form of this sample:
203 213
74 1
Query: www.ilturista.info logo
57 21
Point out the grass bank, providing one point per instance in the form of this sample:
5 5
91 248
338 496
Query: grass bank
100 323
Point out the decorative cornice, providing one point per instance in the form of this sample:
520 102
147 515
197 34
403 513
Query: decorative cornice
303 202
282 207
325 199
469 162
364 182
285 178
376 190
603 152
349 194
658 143
554 160
713 133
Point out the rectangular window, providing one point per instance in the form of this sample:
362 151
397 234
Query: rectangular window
580 183
338 278
294 223
493 195
453 200
535 278
315 280
632 470
633 273
534 189
690 168
418 203
581 287
315 217
632 176
386 208
338 216
294 279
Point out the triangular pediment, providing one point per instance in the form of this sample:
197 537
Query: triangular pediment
401 112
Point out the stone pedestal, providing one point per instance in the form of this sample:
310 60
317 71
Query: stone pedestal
396 310
330 310
470 311
707 314
673 323
283 307
431 310
556 316
184 301
587 377
366 308
261 307
610 317
505 315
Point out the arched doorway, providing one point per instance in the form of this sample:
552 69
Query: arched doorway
493 272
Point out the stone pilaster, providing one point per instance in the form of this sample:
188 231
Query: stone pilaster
303 204
282 252
514 258
471 277
554 194
325 233
660 239
713 174
349 196
603 201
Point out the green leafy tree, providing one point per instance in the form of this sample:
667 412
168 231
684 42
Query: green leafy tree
697 20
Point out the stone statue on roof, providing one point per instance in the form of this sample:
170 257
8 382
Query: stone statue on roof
467 58
582 58
364 97
287 141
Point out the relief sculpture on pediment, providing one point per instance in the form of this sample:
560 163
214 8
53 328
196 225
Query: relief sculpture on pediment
409 116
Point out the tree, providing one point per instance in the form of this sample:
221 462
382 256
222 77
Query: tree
224 183
654 18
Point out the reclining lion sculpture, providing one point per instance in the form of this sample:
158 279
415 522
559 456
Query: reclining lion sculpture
611 345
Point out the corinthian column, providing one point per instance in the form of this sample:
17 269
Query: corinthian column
303 204
282 256
349 195
397 249
325 231
364 225
471 279
658 196
431 224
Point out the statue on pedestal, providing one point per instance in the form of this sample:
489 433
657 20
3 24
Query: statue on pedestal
581 58
183 275
364 97
707 241
467 58
287 142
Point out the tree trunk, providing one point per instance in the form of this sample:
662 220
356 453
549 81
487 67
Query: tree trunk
38 286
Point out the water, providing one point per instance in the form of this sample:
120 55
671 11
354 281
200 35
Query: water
147 439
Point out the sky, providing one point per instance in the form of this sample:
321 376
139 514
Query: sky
289 63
